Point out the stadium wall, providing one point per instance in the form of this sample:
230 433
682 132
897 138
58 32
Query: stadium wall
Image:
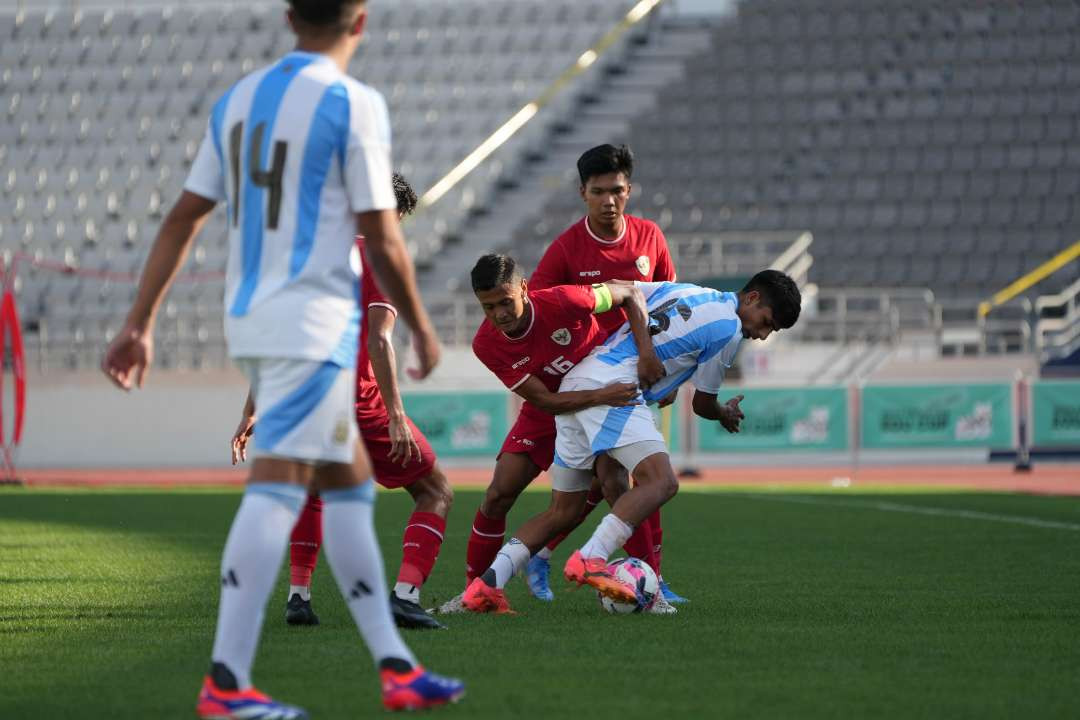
178 419
186 419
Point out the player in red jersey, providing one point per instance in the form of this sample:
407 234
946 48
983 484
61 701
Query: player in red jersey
530 340
400 457
606 244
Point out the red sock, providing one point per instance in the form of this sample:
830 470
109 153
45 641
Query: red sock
640 544
484 543
305 542
420 547
595 497
657 539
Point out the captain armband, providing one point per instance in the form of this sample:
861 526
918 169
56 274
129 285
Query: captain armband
603 298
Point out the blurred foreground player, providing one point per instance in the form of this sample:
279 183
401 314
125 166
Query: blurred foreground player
301 153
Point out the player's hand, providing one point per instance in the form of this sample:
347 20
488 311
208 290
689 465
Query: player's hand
669 398
619 394
240 438
403 446
650 370
730 414
426 345
128 357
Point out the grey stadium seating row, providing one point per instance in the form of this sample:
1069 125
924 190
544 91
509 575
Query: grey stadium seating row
102 112
923 142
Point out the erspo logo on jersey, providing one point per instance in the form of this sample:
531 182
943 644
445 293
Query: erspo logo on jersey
588 273
520 362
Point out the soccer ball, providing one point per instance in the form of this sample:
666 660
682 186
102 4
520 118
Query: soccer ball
638 575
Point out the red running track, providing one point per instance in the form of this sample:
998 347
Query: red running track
1044 478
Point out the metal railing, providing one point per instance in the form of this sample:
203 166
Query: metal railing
704 255
845 314
1057 327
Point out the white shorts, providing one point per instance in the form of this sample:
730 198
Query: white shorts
587 433
304 409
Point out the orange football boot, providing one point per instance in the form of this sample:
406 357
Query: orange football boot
482 598
594 572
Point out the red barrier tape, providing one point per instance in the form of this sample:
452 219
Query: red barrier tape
66 269
10 328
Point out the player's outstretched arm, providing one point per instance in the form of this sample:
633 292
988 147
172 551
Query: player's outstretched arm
380 346
557 403
244 430
627 295
395 274
729 415
131 352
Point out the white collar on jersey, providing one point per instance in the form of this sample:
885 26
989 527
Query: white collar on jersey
532 321
599 239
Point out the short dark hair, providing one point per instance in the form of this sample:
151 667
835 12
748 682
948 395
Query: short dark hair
604 159
324 14
779 292
493 270
404 194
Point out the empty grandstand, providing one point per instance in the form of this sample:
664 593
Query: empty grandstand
930 148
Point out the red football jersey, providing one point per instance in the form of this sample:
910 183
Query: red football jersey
367 391
562 331
579 256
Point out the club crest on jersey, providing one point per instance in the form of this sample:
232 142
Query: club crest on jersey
561 336
643 265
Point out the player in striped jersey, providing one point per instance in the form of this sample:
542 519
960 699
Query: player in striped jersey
696 333
300 152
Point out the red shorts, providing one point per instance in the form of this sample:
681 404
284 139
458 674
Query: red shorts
533 434
375 432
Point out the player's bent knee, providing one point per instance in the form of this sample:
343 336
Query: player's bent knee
513 473
433 491
565 509
496 504
669 485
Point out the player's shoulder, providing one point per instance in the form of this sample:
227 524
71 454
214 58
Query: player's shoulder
572 234
486 340
724 305
360 93
555 294
643 227
245 85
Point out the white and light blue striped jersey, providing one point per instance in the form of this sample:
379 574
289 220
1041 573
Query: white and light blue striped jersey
296 149
696 333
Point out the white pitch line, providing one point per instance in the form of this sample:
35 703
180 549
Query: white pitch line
920 510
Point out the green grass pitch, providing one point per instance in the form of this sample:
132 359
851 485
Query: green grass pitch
833 605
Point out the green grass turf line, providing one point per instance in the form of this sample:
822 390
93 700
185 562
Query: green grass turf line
108 601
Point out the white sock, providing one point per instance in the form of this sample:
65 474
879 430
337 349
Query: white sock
512 557
249 567
407 591
544 554
302 590
352 549
610 535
